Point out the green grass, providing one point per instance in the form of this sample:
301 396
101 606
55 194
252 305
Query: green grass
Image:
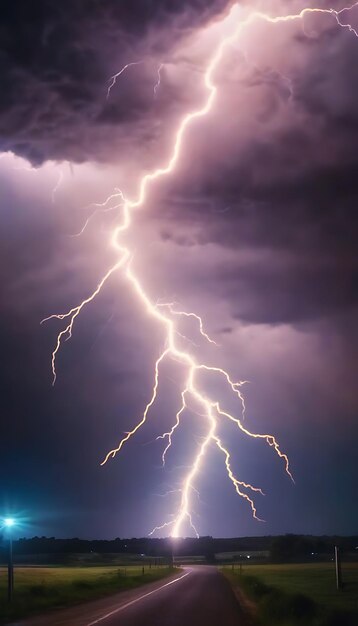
316 580
302 593
39 589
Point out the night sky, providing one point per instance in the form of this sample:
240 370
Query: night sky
256 231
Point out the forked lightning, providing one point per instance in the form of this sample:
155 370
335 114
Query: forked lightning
167 314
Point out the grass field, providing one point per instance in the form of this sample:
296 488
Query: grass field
38 589
306 593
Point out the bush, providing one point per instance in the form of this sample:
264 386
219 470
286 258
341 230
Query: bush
279 607
82 584
255 587
340 618
39 591
302 607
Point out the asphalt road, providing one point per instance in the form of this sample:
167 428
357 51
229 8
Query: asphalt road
197 596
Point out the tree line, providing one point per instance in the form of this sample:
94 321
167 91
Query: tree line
283 547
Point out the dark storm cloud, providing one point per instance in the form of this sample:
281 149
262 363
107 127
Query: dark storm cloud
55 61
258 226
289 187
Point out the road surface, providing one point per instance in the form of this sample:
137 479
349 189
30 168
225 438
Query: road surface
196 596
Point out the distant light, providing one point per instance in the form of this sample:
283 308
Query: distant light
9 521
248 556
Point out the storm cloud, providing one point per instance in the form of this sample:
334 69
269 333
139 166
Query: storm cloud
256 231
56 60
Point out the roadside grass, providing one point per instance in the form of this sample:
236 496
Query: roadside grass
304 594
38 589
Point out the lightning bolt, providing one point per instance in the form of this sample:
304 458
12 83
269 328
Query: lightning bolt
337 15
103 207
34 170
57 186
113 79
212 412
71 315
159 78
171 305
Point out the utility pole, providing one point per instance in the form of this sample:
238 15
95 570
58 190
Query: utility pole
8 523
10 572
171 555
337 558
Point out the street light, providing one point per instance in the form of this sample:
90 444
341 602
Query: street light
9 522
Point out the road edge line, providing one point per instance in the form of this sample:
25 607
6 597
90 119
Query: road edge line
124 606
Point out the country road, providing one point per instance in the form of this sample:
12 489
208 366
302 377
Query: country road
198 595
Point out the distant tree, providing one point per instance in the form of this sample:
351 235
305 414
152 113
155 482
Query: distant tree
210 556
288 547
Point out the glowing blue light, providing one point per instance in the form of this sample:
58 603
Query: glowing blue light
9 521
